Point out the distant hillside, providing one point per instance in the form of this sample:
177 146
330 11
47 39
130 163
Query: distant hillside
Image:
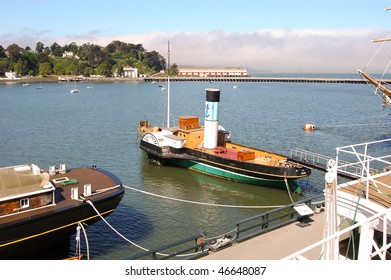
87 59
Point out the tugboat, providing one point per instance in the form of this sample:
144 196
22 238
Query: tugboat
39 209
209 150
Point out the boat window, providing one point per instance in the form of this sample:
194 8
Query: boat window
24 203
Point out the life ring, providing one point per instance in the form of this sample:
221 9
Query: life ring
200 240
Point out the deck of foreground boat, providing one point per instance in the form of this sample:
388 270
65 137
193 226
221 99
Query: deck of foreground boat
284 241
379 196
276 244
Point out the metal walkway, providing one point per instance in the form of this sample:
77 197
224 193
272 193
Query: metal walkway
320 162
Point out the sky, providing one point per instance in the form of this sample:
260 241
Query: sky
280 36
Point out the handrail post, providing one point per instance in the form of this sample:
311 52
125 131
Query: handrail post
265 221
292 212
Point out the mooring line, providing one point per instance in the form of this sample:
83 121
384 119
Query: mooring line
129 241
116 231
204 203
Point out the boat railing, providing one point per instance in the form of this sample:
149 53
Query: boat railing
346 168
380 251
273 219
189 248
379 245
368 175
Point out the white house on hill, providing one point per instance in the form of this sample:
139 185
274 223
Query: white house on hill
130 72
11 75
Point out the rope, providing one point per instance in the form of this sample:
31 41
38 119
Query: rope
385 70
361 119
77 247
381 47
86 238
126 239
362 124
288 190
351 234
203 203
180 200
96 210
222 235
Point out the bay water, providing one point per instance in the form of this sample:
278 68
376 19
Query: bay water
98 126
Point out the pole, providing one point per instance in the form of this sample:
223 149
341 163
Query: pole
168 86
331 247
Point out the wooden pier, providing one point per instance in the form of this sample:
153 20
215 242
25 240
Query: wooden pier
258 80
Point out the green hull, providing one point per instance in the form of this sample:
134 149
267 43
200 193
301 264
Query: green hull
221 173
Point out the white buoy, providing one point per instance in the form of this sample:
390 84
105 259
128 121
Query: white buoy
309 127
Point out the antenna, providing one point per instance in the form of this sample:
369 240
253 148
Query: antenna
168 86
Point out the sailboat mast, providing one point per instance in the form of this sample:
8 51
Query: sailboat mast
168 86
375 82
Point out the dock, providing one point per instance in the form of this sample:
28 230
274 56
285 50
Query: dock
249 79
365 201
276 244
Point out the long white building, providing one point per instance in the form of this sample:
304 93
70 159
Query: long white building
212 72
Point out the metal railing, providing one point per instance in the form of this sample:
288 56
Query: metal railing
379 250
370 218
178 248
245 229
273 219
363 158
316 160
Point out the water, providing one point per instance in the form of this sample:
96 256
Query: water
98 127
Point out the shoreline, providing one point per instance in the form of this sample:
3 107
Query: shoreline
55 79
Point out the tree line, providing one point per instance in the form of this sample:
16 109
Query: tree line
87 59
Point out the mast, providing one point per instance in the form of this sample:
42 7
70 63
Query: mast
386 92
331 248
168 86
386 96
381 40
376 83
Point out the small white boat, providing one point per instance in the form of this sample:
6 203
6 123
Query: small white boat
75 90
